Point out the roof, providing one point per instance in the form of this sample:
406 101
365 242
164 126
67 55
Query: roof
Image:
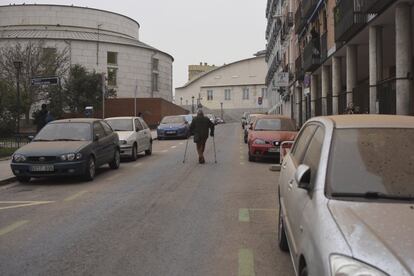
75 35
77 120
215 70
121 117
370 121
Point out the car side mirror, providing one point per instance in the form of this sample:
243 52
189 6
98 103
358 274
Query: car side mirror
30 137
303 176
96 138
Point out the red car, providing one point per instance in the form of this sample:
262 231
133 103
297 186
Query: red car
267 134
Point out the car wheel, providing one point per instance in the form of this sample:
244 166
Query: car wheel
23 179
116 161
134 152
149 150
281 235
251 158
245 139
90 169
304 271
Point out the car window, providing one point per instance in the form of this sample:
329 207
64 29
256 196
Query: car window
65 131
313 152
120 124
108 130
144 124
138 124
98 129
302 142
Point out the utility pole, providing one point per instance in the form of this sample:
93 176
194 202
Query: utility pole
192 104
18 66
103 95
221 105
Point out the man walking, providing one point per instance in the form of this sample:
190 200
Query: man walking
199 128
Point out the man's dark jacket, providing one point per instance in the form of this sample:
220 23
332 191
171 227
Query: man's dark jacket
199 127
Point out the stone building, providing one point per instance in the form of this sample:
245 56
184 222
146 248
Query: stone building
99 40
196 70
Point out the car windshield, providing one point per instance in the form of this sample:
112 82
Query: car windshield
173 120
372 162
120 124
275 125
188 118
65 132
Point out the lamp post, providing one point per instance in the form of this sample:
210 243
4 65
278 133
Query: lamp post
221 105
192 104
181 100
18 66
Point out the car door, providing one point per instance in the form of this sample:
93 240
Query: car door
112 140
147 134
140 135
99 132
288 195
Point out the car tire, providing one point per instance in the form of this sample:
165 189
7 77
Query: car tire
134 153
251 158
149 150
304 271
90 170
281 235
245 139
23 179
114 164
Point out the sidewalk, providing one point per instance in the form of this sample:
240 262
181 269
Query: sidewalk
6 174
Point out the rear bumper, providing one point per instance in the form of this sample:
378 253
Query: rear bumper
60 169
264 151
177 134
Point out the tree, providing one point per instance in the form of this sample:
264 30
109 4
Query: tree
83 88
7 104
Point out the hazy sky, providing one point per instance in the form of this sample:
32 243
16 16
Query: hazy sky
212 31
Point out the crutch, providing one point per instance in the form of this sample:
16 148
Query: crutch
215 155
185 152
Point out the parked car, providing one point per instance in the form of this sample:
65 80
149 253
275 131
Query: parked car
67 148
134 135
173 127
189 118
346 196
249 123
267 134
244 119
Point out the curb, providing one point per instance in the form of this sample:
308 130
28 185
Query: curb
5 158
7 180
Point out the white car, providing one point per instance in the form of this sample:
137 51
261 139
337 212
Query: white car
134 135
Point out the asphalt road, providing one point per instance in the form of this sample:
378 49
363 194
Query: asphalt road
154 216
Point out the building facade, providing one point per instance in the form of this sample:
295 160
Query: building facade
196 70
235 87
100 40
342 55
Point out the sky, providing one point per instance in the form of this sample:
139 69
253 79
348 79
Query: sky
192 31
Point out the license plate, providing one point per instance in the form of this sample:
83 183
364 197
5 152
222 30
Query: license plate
42 168
170 132
274 150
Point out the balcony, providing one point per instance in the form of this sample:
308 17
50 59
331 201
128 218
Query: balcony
349 19
375 6
312 55
299 20
299 73
309 6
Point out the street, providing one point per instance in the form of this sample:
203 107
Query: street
154 216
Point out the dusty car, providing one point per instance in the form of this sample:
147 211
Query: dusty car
346 196
173 127
134 135
67 148
249 124
267 134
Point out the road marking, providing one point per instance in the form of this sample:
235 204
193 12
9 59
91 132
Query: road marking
9 186
22 204
246 262
173 147
264 209
137 165
164 151
244 215
181 143
242 163
12 227
75 196
114 177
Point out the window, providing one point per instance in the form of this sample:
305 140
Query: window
138 125
107 128
227 94
154 82
209 95
112 73
112 58
313 153
301 144
245 93
98 130
144 124
155 63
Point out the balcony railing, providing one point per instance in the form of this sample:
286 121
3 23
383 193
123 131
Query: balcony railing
376 6
299 20
349 19
299 73
312 55
309 6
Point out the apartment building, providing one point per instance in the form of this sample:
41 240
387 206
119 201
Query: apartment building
340 54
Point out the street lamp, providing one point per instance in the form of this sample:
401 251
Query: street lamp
221 105
18 66
181 100
192 104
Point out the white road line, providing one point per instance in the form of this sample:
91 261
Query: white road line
75 196
19 204
173 147
114 177
12 227
164 151
137 165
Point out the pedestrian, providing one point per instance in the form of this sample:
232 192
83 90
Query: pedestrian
41 118
199 128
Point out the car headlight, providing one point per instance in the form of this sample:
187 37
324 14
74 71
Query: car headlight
343 266
122 142
259 142
71 156
19 158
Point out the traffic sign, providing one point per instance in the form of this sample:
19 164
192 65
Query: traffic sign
45 81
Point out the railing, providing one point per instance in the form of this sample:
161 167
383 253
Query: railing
9 144
311 55
376 6
299 20
342 102
324 47
309 6
349 19
299 73
386 97
360 98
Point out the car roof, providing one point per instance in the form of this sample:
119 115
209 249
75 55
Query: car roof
77 120
123 117
368 121
264 116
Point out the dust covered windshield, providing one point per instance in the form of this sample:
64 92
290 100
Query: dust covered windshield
120 124
173 120
274 125
372 161
65 131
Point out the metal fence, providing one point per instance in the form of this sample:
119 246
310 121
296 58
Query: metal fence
13 142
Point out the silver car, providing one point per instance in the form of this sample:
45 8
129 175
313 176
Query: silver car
346 195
